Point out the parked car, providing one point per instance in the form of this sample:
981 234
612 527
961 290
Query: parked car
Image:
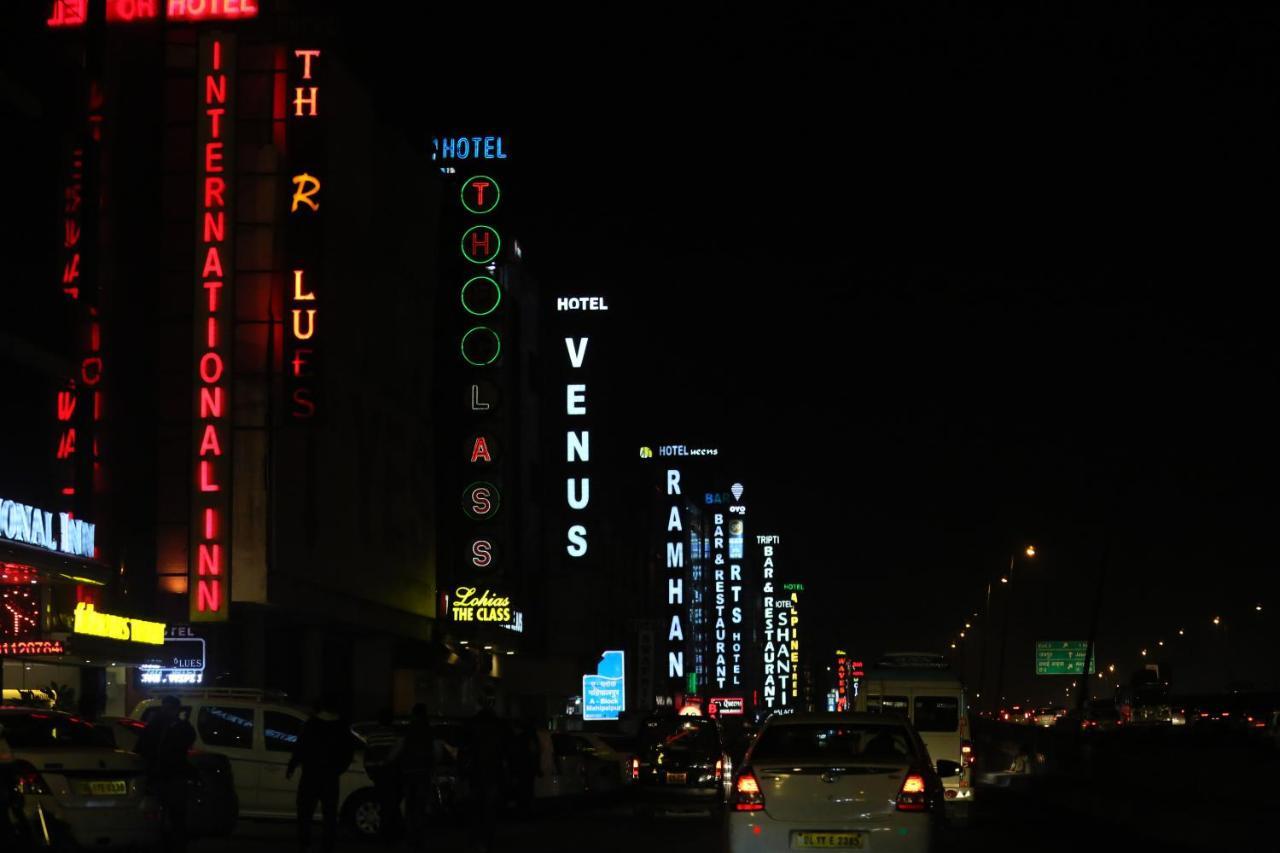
843 781
86 793
256 730
212 804
679 760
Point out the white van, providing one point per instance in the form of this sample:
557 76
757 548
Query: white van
256 730
923 689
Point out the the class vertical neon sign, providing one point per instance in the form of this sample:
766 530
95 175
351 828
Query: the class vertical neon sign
210 556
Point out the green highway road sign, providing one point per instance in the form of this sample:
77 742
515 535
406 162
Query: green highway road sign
1063 657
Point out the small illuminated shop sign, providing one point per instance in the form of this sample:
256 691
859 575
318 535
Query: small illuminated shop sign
32 647
180 661
726 706
57 532
471 605
91 622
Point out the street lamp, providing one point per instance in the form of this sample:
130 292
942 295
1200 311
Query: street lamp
1029 552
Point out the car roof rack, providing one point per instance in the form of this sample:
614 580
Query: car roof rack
225 693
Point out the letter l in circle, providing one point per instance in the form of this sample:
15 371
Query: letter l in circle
476 405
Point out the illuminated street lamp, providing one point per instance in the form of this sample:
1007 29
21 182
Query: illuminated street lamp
1181 633
1258 607
1159 642
1217 620
1144 653
1029 552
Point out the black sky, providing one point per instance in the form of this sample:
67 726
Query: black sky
945 281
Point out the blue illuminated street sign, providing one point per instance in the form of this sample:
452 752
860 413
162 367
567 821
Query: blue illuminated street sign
604 694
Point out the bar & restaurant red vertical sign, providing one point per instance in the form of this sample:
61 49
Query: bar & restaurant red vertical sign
210 556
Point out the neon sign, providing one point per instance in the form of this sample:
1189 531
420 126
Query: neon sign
726 706
33 526
93 623
736 598
75 13
467 148
675 577
181 661
481 296
209 563
480 501
301 296
481 244
794 646
775 675
32 647
577 448
480 194
467 606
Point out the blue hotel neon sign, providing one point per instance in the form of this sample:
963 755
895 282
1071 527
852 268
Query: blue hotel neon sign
467 148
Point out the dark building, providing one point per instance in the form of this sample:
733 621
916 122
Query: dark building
255 266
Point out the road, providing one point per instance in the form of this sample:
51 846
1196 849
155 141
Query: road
1007 822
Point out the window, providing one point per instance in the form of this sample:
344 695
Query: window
221 725
937 713
280 731
822 743
896 705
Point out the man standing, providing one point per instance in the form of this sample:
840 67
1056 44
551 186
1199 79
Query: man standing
488 763
164 745
418 762
324 751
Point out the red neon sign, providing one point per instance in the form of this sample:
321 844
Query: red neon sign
210 544
210 10
128 11
33 647
68 13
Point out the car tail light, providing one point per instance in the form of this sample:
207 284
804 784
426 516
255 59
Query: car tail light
29 780
635 768
914 796
967 755
747 796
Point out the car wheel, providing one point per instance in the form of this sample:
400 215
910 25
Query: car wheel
363 814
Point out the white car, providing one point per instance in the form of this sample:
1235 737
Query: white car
257 730
836 782
75 789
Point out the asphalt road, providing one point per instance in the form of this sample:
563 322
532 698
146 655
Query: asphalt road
1007 822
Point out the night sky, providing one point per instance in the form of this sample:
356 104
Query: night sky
944 283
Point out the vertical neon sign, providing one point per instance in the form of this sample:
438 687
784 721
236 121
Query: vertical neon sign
794 648
209 563
302 285
773 675
675 576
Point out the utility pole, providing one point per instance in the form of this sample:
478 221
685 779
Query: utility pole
1083 693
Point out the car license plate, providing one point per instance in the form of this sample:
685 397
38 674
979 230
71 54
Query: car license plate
676 778
827 840
104 789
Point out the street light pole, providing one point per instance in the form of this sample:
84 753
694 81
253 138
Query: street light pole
1004 632
986 636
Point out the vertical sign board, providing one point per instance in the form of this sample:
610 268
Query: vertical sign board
483 313
842 682
209 564
675 575
773 675
738 624
720 607
794 648
302 285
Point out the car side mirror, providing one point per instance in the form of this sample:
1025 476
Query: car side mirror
947 769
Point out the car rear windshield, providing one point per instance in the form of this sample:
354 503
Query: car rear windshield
825 742
937 713
35 730
688 736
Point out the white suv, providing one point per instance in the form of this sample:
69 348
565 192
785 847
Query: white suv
256 730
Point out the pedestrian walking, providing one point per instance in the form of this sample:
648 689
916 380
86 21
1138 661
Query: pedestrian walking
488 770
382 751
164 745
418 765
324 751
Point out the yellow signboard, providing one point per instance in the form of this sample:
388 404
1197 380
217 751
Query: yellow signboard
95 624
